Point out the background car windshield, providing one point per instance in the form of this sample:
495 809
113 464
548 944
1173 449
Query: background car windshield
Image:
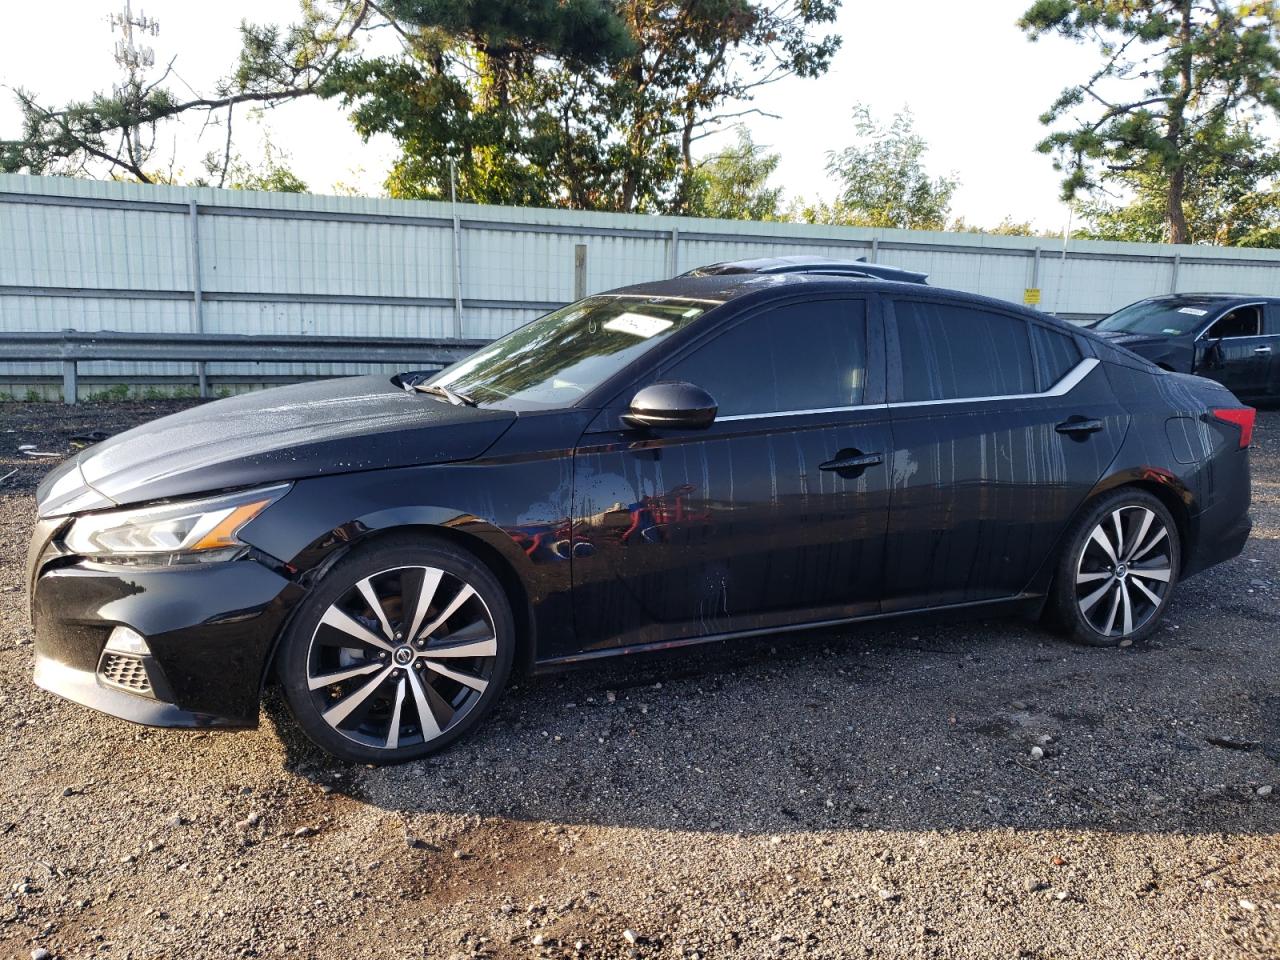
1169 318
556 359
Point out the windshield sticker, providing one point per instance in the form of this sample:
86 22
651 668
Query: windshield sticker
1194 311
638 325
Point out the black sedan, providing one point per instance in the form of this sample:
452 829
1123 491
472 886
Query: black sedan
706 458
1229 338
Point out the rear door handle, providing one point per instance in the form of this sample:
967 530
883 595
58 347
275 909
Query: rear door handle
1079 425
1261 349
853 461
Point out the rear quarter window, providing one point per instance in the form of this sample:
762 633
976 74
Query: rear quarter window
1056 354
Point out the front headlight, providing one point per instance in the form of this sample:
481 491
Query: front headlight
195 531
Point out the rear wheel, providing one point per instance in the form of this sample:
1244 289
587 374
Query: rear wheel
1118 570
399 651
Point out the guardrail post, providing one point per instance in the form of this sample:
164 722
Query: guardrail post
197 293
70 382
673 256
1177 265
875 249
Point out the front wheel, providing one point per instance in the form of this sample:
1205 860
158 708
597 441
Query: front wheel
1117 573
398 651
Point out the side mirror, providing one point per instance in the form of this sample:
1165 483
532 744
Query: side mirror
673 404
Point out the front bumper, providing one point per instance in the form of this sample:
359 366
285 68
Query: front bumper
211 629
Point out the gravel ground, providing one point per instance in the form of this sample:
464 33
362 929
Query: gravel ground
865 792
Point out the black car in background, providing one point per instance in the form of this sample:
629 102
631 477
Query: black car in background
705 458
1226 337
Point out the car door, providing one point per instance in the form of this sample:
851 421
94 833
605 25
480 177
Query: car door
775 514
1001 426
1269 348
1233 351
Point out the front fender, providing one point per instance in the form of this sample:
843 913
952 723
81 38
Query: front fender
514 515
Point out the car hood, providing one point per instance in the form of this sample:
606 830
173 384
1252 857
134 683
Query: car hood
305 430
1122 339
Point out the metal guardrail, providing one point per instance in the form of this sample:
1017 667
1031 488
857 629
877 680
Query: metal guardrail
71 347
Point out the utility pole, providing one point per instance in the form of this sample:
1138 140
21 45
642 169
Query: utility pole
134 60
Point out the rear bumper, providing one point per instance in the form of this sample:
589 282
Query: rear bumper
211 630
1222 529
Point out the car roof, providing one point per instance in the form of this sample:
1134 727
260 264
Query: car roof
725 288
809 264
1222 298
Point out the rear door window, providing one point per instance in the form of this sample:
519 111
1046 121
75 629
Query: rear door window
953 352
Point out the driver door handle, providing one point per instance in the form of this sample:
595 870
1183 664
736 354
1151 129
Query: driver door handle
853 462
1079 425
1261 349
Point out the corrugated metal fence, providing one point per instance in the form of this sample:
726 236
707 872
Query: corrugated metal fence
90 256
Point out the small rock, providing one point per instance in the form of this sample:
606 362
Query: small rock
1265 790
887 895
1037 753
1018 705
40 953
1248 905
630 936
539 939
69 791
175 821
304 831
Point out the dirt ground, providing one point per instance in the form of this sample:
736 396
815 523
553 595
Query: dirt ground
858 793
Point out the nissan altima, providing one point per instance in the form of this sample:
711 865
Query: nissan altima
712 457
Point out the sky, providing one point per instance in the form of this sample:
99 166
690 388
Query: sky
975 84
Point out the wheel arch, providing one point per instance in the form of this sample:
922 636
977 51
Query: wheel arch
476 537
1164 486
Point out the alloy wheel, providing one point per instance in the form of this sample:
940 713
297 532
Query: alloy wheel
401 657
1124 571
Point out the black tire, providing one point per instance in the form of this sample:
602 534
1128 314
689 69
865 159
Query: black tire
400 676
1091 595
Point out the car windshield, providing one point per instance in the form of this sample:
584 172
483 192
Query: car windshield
557 359
1168 318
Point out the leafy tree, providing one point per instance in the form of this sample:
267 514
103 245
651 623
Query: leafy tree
733 184
1007 227
116 132
1175 79
1230 199
272 174
610 125
883 180
580 103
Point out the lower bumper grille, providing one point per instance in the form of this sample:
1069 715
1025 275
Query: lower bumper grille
125 671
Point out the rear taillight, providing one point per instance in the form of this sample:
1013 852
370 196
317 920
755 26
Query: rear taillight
1243 418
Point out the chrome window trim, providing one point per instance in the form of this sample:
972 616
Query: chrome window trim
802 413
1069 382
1262 322
1059 389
